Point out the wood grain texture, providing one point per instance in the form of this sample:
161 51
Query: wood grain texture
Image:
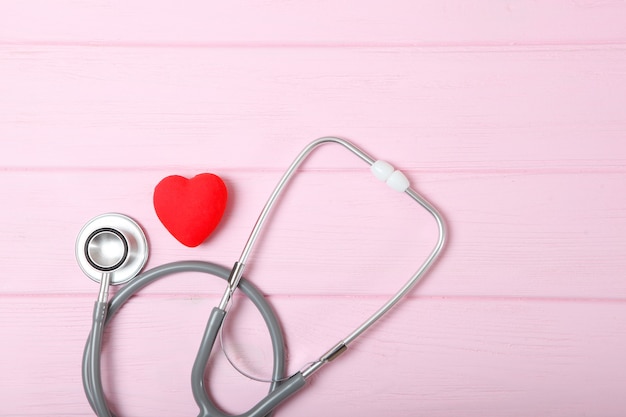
548 235
434 110
510 116
433 356
336 22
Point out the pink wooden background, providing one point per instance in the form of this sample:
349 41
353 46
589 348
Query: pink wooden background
509 115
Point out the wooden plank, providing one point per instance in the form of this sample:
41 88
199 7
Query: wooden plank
509 115
432 356
551 235
435 110
321 22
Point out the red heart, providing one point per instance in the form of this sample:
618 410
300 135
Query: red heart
190 209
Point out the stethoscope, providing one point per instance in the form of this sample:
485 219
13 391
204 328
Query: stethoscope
112 249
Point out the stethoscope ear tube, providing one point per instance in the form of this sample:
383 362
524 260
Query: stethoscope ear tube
397 181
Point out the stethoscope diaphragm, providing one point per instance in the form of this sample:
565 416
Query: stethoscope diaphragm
111 243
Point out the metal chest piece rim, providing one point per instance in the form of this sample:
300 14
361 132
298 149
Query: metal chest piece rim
111 243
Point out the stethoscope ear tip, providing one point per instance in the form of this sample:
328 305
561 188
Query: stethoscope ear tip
111 243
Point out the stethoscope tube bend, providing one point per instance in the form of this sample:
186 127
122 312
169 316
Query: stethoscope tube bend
105 312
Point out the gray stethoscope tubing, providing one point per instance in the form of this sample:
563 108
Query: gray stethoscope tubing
340 347
283 389
92 382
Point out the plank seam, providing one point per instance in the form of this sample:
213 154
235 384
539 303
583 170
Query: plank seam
197 296
617 168
435 46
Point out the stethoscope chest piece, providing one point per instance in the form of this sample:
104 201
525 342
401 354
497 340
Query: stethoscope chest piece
111 243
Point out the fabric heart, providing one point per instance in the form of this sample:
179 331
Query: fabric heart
190 209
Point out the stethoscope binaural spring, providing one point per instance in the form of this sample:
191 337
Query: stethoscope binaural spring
112 249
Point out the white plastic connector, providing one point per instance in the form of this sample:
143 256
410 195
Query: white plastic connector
398 181
382 170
